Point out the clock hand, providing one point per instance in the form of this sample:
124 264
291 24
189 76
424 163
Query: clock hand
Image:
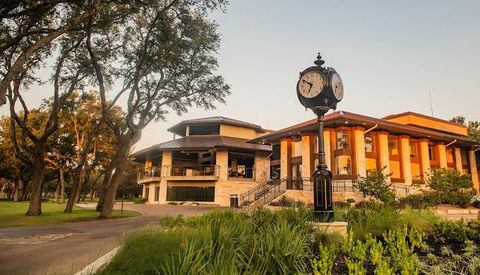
307 82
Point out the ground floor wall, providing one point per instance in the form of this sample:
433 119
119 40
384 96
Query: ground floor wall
222 193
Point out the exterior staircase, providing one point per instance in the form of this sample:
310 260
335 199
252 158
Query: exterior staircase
262 194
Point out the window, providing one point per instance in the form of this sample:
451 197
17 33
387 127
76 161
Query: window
147 193
344 165
369 144
431 152
157 193
188 193
393 146
343 140
413 149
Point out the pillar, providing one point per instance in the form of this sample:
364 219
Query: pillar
458 160
442 155
328 148
285 160
359 151
473 170
167 161
148 163
405 162
383 154
262 167
187 130
424 158
307 156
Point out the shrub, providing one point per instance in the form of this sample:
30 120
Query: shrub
417 201
285 201
341 204
375 185
139 200
456 232
448 180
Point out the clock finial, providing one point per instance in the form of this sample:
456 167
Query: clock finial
319 62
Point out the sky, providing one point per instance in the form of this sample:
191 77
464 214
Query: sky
390 54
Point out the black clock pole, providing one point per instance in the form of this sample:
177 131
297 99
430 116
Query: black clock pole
322 177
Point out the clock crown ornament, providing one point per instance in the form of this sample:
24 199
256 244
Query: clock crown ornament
319 62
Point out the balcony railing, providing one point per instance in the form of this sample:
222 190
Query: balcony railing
241 173
306 184
149 174
192 171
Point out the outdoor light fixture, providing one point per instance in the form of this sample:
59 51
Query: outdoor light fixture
320 89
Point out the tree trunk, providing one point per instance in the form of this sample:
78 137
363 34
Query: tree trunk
118 161
16 192
35 207
62 186
57 191
74 193
81 180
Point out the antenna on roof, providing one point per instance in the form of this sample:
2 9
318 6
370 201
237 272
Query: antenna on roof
431 104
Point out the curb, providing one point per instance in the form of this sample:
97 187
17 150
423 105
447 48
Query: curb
98 263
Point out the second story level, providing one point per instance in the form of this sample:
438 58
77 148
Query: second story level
220 126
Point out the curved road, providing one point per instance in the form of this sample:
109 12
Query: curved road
69 247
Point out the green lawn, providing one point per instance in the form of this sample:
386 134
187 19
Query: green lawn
13 214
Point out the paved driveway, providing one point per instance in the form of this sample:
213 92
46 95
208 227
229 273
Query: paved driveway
69 247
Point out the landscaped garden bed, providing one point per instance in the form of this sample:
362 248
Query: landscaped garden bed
381 240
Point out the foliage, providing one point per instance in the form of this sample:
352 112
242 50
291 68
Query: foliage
448 180
13 214
285 201
341 204
228 242
456 231
375 185
139 200
391 253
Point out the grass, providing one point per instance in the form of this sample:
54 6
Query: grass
227 242
13 214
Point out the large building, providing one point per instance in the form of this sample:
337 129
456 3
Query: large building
218 157
210 160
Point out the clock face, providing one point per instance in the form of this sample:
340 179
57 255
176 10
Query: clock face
337 86
311 84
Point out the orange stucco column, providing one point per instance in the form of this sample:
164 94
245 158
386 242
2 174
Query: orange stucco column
167 161
328 148
424 158
307 156
442 155
458 160
473 170
285 160
405 159
359 151
383 155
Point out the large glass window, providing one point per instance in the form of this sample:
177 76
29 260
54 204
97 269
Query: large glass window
369 143
343 139
241 164
413 149
157 193
393 146
431 152
189 193
343 165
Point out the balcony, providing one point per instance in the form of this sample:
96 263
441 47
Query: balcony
242 174
192 173
149 174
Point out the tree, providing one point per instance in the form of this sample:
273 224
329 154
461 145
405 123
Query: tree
473 127
165 57
375 185
29 30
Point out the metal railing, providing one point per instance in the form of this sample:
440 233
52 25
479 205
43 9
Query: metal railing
260 193
242 173
192 170
344 186
153 172
305 184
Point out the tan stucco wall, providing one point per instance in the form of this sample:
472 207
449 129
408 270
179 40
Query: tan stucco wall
238 132
383 156
442 155
359 151
424 158
458 159
430 123
307 196
404 143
